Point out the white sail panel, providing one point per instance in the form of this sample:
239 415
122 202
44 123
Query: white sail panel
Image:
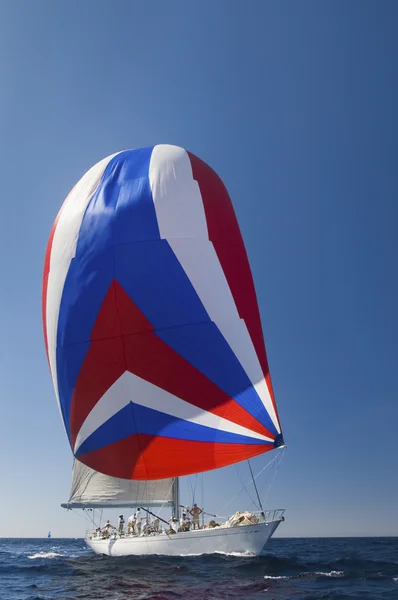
149 395
90 489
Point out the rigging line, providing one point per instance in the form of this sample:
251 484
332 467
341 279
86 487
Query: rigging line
278 464
90 517
258 474
244 487
81 516
189 484
203 514
85 517
266 467
255 487
168 494
194 489
254 504
267 483
192 492
232 499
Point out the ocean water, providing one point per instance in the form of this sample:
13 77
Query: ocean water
290 569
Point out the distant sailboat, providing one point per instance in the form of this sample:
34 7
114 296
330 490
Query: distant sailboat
49 534
154 341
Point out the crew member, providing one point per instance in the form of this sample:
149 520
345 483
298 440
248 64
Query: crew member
195 512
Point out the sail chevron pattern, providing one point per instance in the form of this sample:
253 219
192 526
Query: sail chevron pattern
151 322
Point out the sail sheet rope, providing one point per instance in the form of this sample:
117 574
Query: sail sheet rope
275 459
281 454
193 488
244 487
269 482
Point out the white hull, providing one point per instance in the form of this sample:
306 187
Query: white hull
249 539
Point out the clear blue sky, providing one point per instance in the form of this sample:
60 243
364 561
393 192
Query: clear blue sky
294 104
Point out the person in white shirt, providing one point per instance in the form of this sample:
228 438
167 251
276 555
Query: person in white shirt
138 520
182 522
131 524
174 524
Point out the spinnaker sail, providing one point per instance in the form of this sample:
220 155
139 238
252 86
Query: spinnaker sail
151 322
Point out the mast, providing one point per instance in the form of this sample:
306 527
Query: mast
176 498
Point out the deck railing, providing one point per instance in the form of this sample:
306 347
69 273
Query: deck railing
273 515
268 516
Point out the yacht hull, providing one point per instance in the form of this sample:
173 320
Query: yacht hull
249 539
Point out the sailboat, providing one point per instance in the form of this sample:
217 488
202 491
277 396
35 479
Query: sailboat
155 347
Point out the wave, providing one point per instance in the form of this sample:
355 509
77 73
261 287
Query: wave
46 555
246 554
307 574
330 574
290 569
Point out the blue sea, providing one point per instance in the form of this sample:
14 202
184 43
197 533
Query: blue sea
290 569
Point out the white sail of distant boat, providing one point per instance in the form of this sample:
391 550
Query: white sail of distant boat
155 346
